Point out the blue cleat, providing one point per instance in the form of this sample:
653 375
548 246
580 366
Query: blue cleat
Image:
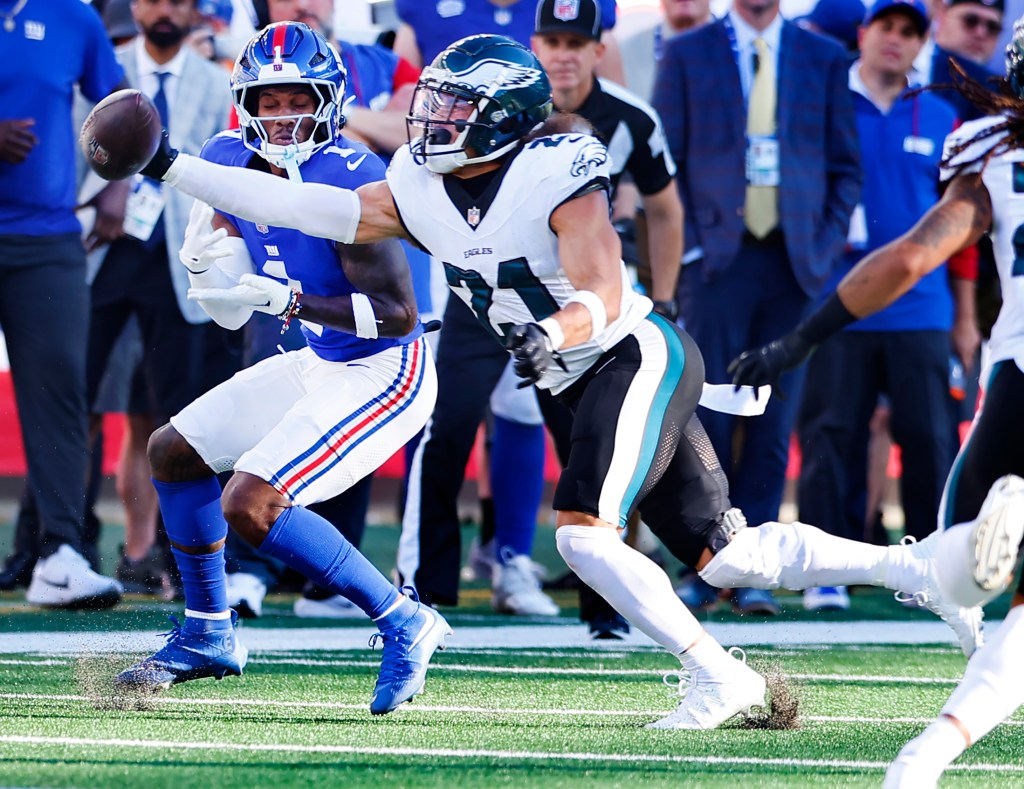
186 656
403 664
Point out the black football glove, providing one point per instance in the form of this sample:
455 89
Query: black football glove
532 354
764 365
162 159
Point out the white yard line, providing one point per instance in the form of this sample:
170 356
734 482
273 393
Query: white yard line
511 636
435 708
471 753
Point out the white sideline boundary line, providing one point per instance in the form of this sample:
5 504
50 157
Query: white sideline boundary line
511 636
332 705
468 753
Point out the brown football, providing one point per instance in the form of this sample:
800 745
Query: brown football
120 135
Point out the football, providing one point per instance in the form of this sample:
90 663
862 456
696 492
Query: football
120 135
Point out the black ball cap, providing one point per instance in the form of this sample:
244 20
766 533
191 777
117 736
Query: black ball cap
582 17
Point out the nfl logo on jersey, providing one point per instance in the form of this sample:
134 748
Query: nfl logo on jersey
567 10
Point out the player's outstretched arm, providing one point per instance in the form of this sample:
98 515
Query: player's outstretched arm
314 209
957 221
386 303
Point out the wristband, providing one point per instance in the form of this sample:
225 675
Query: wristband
290 311
364 316
595 306
553 330
825 321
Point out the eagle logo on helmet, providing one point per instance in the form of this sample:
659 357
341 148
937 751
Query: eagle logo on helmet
489 74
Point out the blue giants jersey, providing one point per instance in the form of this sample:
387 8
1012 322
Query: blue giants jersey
308 264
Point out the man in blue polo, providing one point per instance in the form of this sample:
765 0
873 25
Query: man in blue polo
902 352
49 47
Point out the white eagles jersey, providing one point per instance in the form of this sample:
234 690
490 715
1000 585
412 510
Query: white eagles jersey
1003 176
502 259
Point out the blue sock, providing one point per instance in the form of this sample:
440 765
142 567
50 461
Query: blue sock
193 518
191 510
205 589
517 484
310 544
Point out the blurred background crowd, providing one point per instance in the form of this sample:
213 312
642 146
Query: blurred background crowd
95 319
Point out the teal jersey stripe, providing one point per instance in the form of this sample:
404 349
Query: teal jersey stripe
655 417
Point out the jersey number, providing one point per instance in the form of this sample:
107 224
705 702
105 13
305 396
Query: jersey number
1018 252
513 275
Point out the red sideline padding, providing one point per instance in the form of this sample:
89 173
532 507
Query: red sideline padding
12 451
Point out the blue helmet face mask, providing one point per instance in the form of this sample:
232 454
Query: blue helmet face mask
289 54
475 102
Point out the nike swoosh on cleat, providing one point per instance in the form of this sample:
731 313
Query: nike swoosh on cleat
48 582
356 163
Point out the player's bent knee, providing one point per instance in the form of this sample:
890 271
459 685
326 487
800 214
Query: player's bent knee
172 458
251 506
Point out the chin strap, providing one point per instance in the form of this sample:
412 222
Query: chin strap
291 166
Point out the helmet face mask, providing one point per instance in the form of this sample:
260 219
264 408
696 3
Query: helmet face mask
475 102
1015 59
289 54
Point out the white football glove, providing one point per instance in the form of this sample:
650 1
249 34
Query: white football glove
259 293
199 249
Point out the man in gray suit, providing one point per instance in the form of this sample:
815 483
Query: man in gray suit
184 353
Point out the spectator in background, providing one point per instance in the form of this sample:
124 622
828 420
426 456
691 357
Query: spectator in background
903 351
42 277
638 46
184 352
765 220
838 19
969 28
968 31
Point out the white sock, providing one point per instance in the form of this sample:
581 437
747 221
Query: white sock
937 746
708 657
795 556
993 685
634 585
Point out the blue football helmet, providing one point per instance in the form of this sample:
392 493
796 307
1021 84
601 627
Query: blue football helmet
288 53
475 102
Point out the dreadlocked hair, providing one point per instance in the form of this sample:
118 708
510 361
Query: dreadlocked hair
1000 99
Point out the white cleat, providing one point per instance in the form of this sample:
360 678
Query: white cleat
65 580
708 702
516 589
245 594
965 622
997 533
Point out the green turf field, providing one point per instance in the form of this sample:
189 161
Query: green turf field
523 703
